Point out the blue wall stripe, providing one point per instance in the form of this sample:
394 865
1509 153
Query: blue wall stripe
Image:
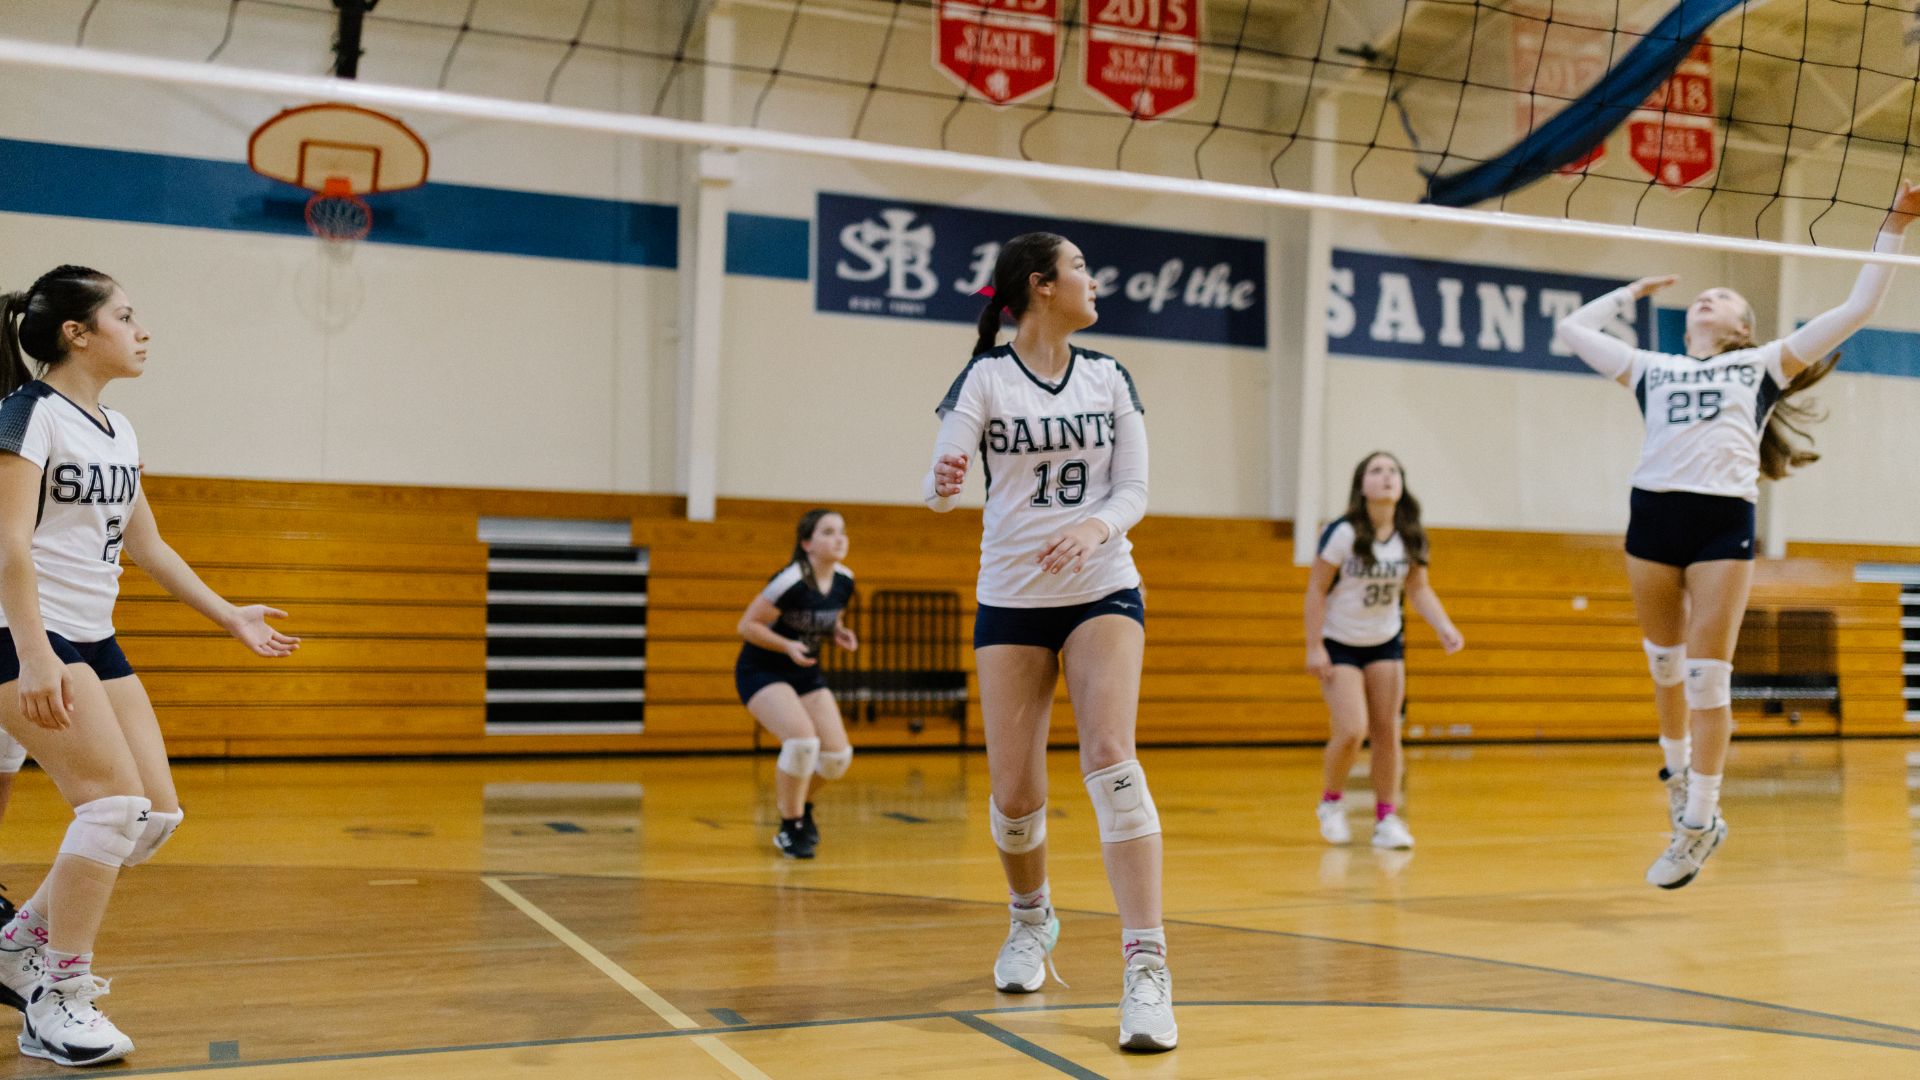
164 189
1871 351
762 246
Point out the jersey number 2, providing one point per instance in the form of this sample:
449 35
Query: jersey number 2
111 553
1070 489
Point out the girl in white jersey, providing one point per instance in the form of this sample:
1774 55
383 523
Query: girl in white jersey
70 501
1717 419
1063 447
1356 637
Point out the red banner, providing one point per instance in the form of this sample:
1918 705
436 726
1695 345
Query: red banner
1143 56
1672 134
1555 63
1002 50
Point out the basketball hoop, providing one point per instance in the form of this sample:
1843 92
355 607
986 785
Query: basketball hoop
339 152
337 215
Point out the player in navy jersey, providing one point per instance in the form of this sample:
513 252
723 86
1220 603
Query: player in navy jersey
1717 419
778 673
70 501
1356 637
1062 445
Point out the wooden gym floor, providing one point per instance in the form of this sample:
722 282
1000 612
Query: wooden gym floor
628 918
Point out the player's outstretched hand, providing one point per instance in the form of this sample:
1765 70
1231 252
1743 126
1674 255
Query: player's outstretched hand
249 625
797 652
1647 286
1451 639
949 475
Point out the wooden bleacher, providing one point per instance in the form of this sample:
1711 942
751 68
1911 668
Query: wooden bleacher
387 585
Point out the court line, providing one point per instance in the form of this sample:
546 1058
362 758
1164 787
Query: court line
1033 1050
1517 964
728 1058
958 1015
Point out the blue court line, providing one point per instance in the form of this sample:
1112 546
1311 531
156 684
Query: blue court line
908 818
1033 1050
223 1051
728 1017
965 1017
564 827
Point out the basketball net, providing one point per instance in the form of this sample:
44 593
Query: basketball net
338 216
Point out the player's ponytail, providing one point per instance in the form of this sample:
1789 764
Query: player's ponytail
1406 516
1780 454
33 323
13 364
1022 257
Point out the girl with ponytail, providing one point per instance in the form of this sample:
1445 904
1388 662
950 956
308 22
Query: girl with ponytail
1717 419
70 500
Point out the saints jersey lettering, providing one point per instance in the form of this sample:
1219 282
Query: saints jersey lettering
1705 419
1046 453
89 479
1363 606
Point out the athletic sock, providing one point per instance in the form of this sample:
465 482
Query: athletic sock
1041 897
1381 810
27 930
1330 796
1703 800
62 966
1678 753
1135 942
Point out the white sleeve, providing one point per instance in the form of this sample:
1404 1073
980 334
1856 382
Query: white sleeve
1826 331
963 416
1126 503
782 581
1581 331
1339 544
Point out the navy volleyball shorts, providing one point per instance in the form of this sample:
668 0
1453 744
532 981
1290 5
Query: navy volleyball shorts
1680 528
1049 627
760 668
104 657
1361 655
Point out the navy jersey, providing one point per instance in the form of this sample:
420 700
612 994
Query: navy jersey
806 614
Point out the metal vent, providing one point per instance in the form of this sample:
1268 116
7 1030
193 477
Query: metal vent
566 627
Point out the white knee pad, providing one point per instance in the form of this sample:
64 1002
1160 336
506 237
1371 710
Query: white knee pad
1709 684
12 754
1122 803
833 763
160 828
797 756
1668 663
1017 836
106 830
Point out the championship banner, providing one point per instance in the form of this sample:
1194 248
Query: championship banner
1671 137
1003 50
1557 62
1143 56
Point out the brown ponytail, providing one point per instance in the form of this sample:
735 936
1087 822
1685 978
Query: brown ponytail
1022 257
1779 453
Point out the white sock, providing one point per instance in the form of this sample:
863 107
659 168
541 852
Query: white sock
28 930
1135 942
1703 800
1677 752
1039 899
